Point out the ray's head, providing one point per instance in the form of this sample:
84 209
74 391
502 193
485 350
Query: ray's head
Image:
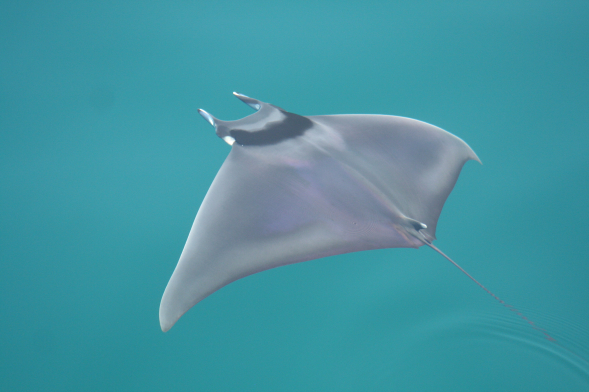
268 125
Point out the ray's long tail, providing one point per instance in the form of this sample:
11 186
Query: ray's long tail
511 308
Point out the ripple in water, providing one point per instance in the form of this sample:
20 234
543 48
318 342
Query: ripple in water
562 343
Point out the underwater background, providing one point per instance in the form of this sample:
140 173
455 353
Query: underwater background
105 161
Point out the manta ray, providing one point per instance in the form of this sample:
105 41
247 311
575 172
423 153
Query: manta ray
296 188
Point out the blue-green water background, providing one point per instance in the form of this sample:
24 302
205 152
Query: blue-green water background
104 163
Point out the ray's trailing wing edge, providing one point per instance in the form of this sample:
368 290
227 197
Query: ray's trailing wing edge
296 188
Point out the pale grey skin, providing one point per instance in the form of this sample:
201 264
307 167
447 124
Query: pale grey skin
297 188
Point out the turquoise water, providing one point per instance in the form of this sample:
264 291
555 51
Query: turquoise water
104 162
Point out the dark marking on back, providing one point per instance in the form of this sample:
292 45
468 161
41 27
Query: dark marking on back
274 132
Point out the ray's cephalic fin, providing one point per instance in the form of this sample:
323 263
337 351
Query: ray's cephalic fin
251 102
269 125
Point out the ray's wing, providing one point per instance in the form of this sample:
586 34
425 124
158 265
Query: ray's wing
340 187
414 163
268 208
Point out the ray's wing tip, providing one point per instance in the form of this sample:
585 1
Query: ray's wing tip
166 322
471 154
165 328
167 314
475 157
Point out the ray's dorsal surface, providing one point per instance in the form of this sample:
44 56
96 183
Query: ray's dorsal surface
297 188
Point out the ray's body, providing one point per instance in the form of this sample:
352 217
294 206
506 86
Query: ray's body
297 188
